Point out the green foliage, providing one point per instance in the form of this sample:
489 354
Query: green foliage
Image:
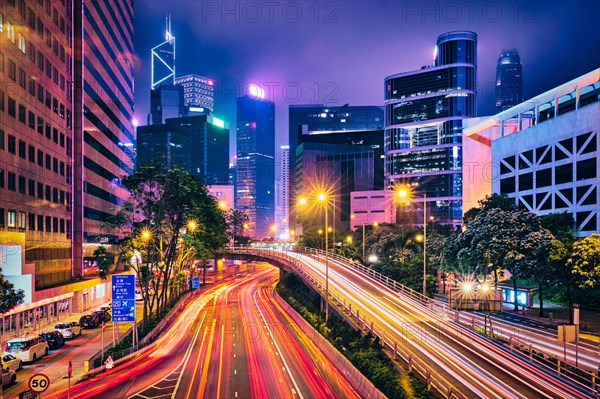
364 352
494 201
585 260
559 224
237 219
105 261
9 297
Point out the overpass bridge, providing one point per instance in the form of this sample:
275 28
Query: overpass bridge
423 333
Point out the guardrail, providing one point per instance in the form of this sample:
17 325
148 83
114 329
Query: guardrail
397 351
577 376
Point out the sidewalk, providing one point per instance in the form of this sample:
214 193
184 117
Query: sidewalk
76 350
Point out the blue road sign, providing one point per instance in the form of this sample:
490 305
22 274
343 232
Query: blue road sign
196 282
123 297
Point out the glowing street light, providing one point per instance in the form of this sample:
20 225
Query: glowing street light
373 258
222 204
146 234
467 287
349 239
192 225
302 201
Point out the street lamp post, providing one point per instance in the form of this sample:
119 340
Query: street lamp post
404 193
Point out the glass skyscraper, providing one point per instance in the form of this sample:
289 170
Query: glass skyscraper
424 110
255 183
509 80
198 92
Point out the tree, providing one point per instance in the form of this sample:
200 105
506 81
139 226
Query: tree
559 224
585 260
9 297
238 221
494 201
561 269
169 218
105 261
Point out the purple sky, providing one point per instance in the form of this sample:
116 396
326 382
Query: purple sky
338 52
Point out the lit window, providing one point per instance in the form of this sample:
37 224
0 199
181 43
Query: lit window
10 31
12 218
22 43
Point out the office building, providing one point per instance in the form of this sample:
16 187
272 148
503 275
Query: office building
163 60
509 80
370 207
338 162
424 110
543 153
255 183
66 105
315 118
224 194
166 101
282 195
198 93
199 144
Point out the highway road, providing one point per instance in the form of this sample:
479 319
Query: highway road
474 366
233 341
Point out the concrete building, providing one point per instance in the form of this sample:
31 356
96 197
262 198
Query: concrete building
66 138
282 196
255 182
198 93
199 144
542 152
424 110
224 194
369 207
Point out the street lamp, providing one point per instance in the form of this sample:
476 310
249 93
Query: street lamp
405 194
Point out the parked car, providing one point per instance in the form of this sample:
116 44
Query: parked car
67 330
11 363
107 309
28 348
9 377
89 321
138 295
102 315
54 338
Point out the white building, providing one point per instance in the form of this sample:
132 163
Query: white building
224 194
282 196
369 207
542 152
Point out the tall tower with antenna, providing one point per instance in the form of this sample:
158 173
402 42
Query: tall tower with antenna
163 59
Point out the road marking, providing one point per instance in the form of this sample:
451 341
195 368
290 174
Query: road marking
220 360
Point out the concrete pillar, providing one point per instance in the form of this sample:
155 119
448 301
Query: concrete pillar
556 106
577 97
502 128
520 121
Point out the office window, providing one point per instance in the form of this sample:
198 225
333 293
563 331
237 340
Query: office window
40 222
40 60
10 32
55 135
48 69
48 193
40 190
31 18
31 187
22 78
12 144
12 181
48 99
32 221
61 197
62 168
586 169
62 225
31 152
40 158
40 92
22 220
2 139
2 217
12 70
31 52
40 125
48 37
11 218
1 100
40 27
22 185
62 139
55 225
62 111
12 107
32 120
55 195
55 165
1 62
48 224
48 162
22 43
1 178
22 149
55 105
22 114
31 85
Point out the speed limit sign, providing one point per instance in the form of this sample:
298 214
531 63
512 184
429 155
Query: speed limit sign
38 383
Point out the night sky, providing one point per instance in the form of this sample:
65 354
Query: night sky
338 52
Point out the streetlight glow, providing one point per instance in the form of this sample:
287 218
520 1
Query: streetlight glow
146 234
349 239
373 258
322 197
222 204
192 225
302 201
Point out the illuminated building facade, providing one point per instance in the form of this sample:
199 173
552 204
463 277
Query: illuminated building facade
166 101
163 60
199 144
198 92
509 80
282 195
255 182
315 118
543 153
424 110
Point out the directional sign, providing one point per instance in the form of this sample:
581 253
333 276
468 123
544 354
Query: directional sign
196 282
123 297
38 383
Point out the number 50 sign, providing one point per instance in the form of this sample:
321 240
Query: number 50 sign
38 383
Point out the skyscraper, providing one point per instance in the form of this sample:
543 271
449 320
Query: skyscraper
198 92
199 144
103 113
509 80
424 110
256 161
163 60
282 195
166 101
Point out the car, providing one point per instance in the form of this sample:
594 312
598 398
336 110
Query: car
102 316
10 362
107 309
9 377
54 338
28 348
138 295
89 321
67 330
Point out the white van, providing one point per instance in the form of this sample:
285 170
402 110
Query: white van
28 348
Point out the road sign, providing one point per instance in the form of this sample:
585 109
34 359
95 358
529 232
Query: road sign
196 282
123 297
38 383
